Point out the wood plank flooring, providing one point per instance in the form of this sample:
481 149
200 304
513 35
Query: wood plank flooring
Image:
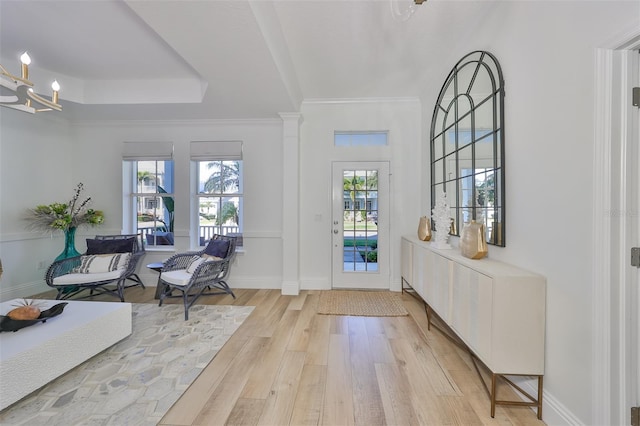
289 365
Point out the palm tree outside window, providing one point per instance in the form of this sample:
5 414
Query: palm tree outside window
220 199
153 200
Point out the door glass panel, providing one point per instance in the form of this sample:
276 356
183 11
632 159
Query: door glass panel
360 221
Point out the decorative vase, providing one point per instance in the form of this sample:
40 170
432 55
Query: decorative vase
473 243
69 245
424 229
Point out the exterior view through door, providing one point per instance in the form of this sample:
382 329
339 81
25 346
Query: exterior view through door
360 247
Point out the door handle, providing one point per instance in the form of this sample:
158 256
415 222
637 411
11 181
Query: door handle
335 231
635 256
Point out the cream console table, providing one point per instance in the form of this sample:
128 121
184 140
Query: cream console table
33 356
496 309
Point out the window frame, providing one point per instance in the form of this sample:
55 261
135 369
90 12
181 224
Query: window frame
131 197
198 240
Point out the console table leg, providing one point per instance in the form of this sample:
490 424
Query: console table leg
426 309
493 395
539 397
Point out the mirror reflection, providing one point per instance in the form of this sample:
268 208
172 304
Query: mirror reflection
467 145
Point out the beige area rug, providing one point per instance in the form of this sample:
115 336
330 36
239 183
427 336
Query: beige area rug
361 303
138 379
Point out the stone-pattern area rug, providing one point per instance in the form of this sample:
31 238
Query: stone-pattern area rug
137 380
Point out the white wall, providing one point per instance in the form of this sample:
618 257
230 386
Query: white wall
547 51
402 118
35 168
98 149
49 158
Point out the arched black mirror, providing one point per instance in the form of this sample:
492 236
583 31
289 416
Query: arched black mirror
467 145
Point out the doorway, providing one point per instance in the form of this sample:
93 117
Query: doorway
633 240
360 225
616 336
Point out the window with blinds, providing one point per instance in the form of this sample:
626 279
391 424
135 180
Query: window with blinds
148 191
219 189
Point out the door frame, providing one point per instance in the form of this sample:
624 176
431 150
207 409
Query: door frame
614 350
362 280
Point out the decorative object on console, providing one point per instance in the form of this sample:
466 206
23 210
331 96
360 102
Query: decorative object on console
22 96
473 243
66 217
424 229
442 218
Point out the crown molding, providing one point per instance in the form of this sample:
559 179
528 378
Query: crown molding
178 123
328 101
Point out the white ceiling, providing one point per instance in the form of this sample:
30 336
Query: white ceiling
235 59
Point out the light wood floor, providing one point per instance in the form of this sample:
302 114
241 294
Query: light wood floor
288 365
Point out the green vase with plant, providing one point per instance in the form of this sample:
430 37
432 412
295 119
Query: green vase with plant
66 217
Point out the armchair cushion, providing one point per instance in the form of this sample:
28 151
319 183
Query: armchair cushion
194 263
217 248
76 278
179 277
100 246
98 263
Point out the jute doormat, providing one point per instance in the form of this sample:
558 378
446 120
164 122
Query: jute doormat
361 303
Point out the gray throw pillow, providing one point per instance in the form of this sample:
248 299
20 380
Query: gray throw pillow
124 245
217 248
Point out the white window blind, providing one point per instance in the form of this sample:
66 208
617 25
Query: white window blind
216 150
147 151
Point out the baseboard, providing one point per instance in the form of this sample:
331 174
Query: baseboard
290 288
554 413
315 284
22 290
267 283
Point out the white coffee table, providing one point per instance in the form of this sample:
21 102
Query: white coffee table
33 356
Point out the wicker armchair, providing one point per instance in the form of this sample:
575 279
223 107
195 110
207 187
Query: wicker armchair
199 273
74 275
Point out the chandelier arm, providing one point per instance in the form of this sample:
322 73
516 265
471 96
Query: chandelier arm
23 96
16 79
44 102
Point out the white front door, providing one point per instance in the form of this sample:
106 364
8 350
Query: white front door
360 225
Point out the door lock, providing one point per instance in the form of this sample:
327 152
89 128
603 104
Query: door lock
635 257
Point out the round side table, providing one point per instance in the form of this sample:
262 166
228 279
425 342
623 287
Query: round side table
157 266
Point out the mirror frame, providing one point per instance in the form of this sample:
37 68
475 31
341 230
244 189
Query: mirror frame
467 145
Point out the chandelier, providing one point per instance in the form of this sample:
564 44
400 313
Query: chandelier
402 10
18 93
